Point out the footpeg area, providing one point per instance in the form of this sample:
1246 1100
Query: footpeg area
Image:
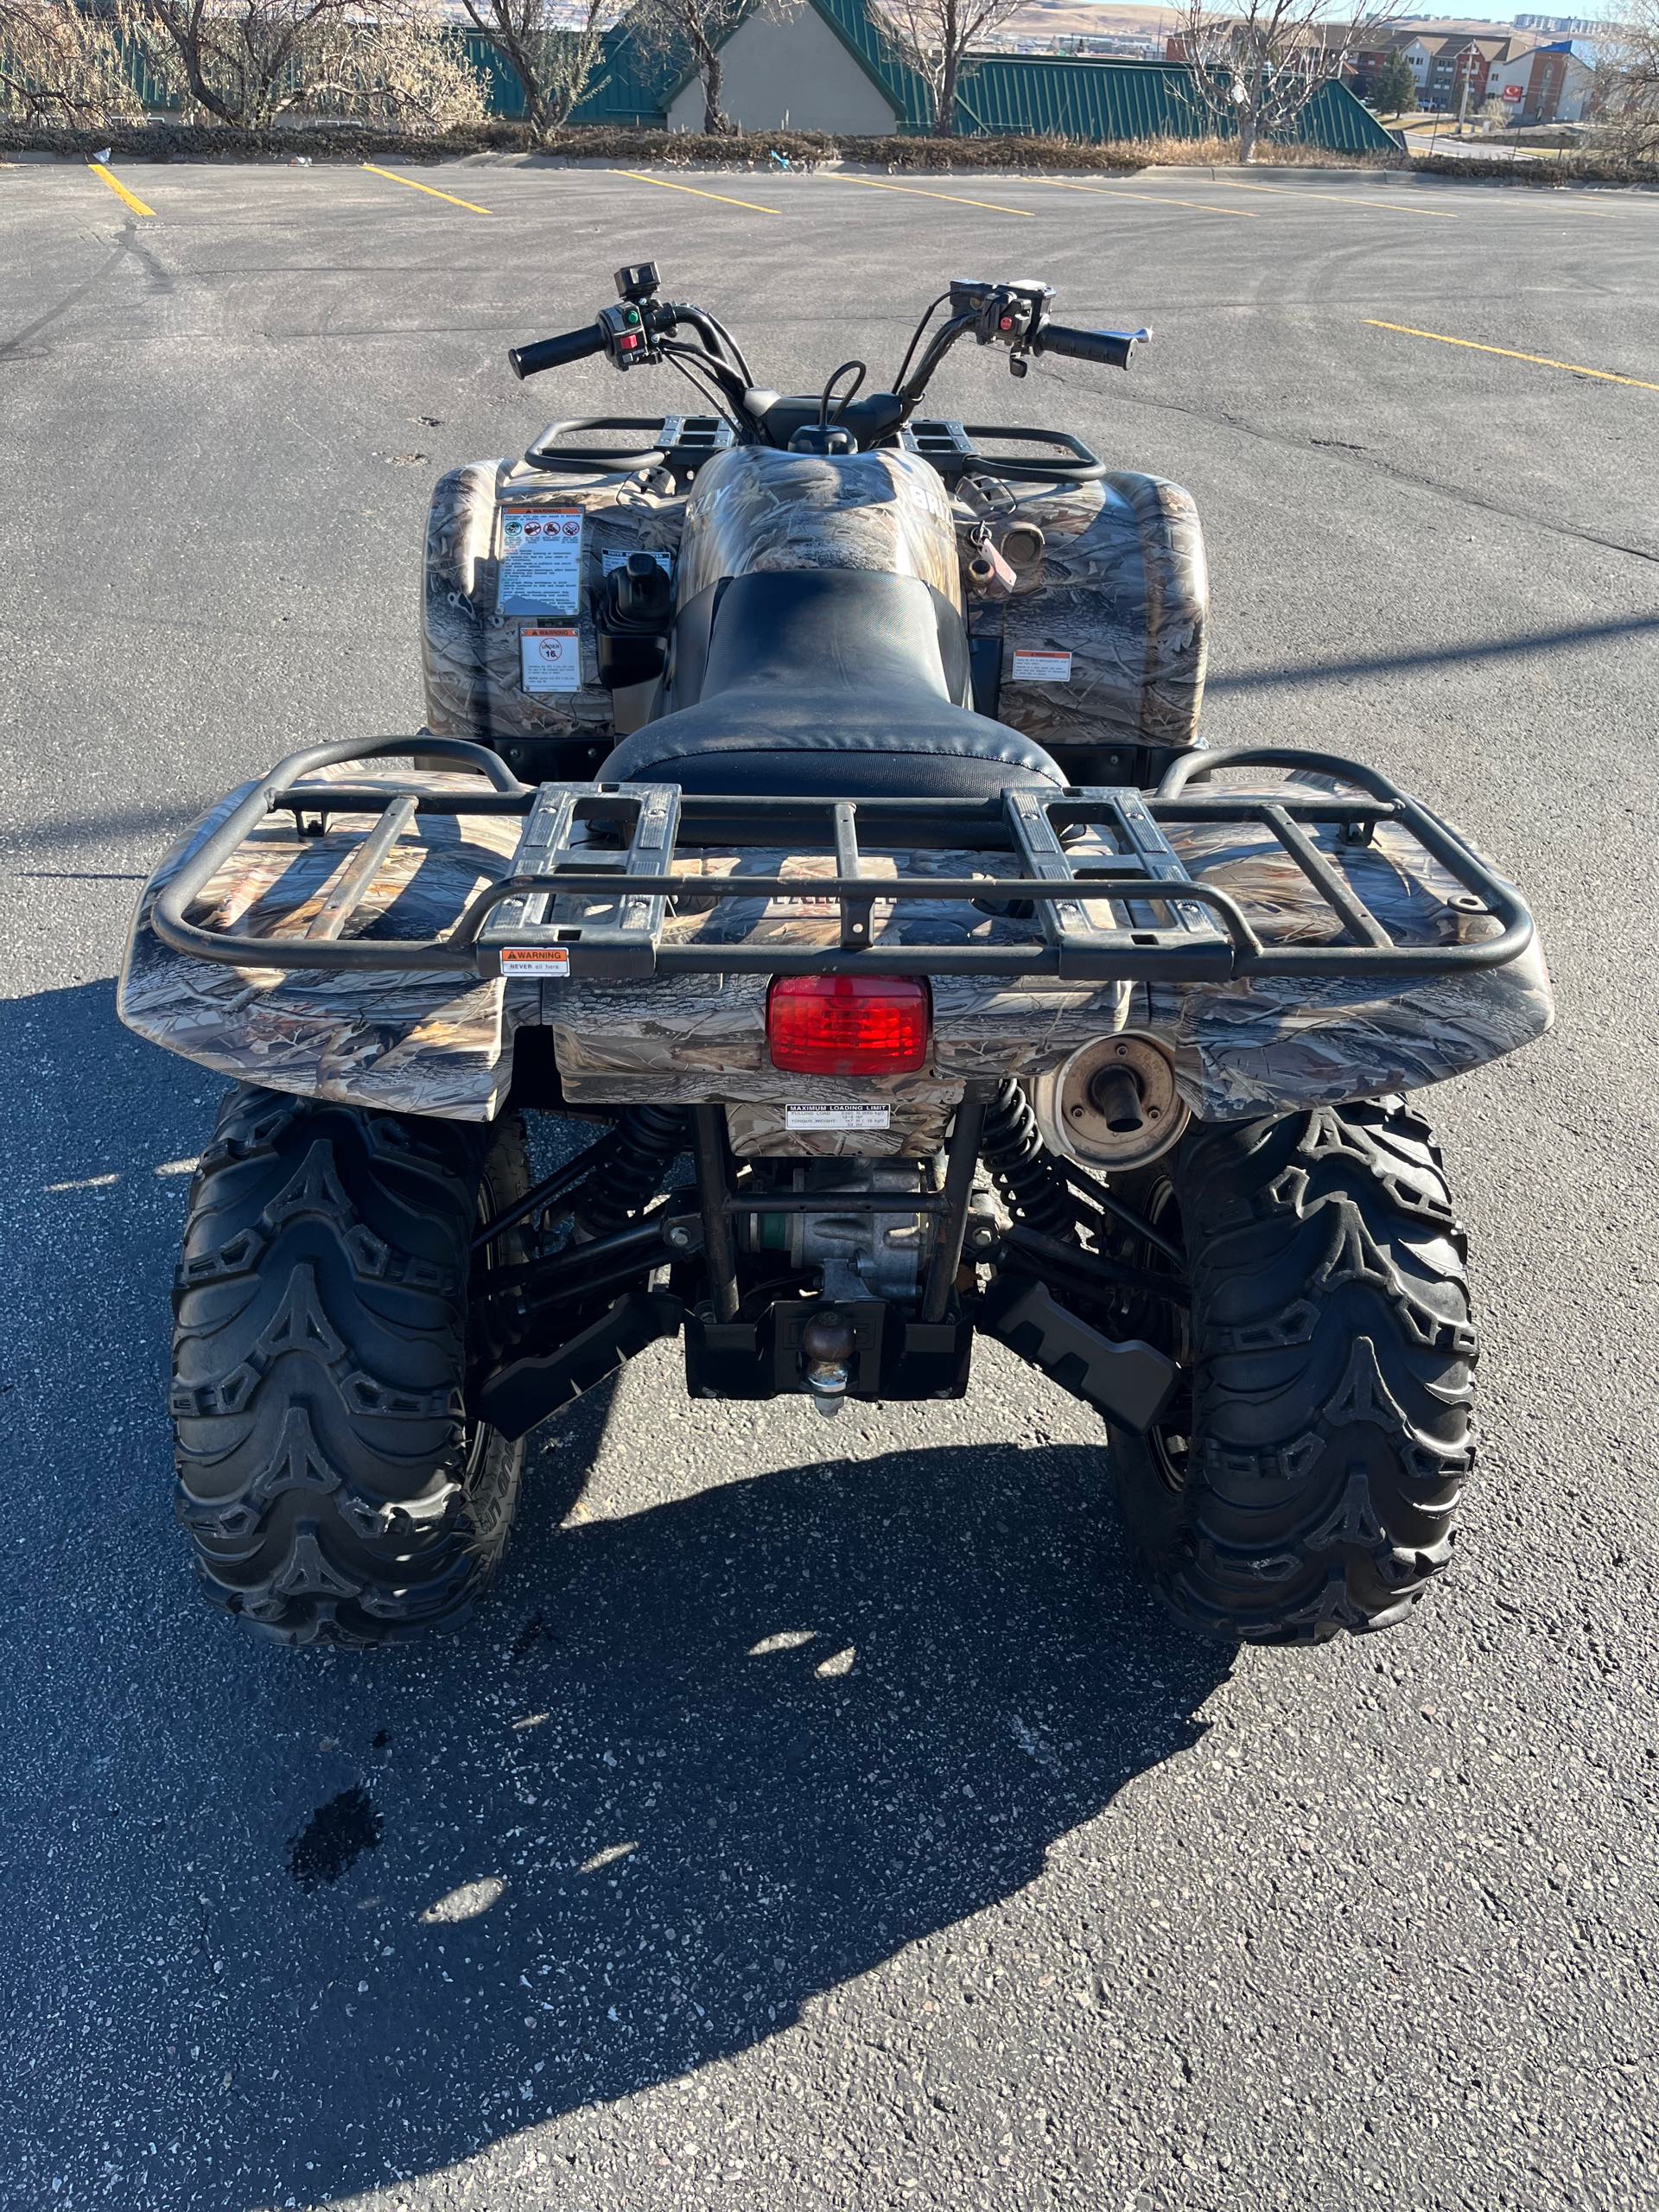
1127 1381
525 1390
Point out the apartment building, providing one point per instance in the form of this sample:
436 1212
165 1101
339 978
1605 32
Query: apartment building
1560 83
1537 83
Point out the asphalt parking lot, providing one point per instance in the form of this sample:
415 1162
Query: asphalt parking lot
846 1831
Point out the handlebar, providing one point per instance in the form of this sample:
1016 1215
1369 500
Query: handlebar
556 352
1112 348
641 329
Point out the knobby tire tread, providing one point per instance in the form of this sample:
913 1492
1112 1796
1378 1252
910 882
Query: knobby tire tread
1332 1427
332 1486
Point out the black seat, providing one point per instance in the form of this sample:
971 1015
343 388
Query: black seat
832 683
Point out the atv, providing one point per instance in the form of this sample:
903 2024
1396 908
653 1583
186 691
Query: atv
810 825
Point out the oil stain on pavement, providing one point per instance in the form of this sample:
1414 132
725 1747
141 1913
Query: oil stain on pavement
334 1838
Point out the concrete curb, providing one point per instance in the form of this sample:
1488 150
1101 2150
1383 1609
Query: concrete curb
1274 172
1285 172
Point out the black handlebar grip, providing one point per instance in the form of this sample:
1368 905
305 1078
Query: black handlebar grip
1111 347
556 352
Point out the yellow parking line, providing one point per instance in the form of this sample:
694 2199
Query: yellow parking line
1538 360
1160 199
431 191
1347 198
753 205
915 192
119 189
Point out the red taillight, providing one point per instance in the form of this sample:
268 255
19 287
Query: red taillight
847 1025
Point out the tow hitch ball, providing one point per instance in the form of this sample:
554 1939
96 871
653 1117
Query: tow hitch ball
827 1345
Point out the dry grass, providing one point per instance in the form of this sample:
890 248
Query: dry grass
177 142
1223 154
1546 175
1002 153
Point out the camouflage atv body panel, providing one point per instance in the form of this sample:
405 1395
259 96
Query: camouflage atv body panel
472 656
442 1044
402 1043
1121 598
1121 589
1263 1043
753 509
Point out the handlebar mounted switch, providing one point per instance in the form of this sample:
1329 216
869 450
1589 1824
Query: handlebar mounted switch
632 327
1011 314
631 332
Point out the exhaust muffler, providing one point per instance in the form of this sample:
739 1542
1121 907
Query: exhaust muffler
1113 1104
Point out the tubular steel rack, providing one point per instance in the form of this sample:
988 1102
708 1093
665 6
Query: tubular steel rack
1172 928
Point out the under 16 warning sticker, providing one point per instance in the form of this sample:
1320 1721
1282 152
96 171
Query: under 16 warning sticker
552 659
1041 667
540 561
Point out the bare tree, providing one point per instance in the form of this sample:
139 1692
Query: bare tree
1626 95
61 64
694 31
937 38
239 61
554 59
245 62
404 71
1255 69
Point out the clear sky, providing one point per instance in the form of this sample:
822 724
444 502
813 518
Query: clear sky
1506 12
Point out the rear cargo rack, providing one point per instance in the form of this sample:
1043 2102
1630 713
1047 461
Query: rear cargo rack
593 879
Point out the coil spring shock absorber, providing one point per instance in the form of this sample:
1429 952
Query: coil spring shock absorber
647 1138
1028 1177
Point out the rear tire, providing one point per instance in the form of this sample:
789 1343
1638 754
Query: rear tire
334 1487
1308 1484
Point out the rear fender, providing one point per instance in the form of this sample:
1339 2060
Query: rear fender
442 1043
400 1042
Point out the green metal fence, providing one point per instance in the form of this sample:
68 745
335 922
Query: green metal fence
1097 102
1103 101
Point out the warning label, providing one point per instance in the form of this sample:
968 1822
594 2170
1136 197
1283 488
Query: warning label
1041 667
552 659
540 561
837 1118
535 960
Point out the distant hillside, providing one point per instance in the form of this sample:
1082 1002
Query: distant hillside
1043 20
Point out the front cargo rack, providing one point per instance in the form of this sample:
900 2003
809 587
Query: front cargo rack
594 879
680 443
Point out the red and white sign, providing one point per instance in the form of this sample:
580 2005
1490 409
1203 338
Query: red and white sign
1035 666
535 960
551 660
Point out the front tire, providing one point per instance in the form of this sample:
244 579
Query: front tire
1308 1484
333 1486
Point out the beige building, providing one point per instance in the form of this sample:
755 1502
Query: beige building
789 68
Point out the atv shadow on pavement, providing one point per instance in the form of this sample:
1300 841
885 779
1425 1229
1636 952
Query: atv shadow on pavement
289 1927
